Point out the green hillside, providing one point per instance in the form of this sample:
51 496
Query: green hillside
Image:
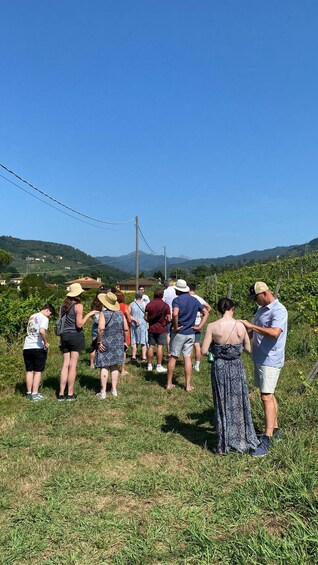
53 260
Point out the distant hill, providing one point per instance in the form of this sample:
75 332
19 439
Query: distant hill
254 256
57 259
52 258
148 262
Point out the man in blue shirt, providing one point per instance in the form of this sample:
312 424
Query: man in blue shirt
184 313
269 330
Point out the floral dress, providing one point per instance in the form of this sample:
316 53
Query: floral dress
112 340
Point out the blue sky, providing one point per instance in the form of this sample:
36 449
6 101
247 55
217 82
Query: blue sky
199 116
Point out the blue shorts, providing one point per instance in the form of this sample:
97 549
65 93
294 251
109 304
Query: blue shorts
197 336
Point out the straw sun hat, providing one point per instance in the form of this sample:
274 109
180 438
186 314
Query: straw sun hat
109 300
75 289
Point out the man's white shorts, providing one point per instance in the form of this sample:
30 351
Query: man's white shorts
265 378
180 343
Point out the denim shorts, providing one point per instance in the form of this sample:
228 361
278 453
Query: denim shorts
180 343
197 336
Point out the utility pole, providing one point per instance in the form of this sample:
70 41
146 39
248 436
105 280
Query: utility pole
165 255
137 256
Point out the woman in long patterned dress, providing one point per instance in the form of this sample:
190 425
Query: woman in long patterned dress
112 330
225 339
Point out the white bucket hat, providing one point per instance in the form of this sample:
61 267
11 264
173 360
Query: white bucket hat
181 285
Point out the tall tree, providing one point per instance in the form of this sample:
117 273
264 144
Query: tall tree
5 258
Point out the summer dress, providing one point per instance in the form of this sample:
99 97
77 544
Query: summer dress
112 340
233 420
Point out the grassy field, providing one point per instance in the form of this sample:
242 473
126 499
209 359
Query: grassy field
133 480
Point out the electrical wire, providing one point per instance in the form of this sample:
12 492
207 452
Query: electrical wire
144 239
61 203
51 205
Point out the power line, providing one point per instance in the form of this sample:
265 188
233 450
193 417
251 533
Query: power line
144 239
61 203
51 205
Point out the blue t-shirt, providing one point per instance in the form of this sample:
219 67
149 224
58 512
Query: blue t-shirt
266 350
188 308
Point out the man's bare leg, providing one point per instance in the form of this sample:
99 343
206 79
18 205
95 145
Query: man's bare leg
171 367
270 412
188 372
276 406
150 354
159 354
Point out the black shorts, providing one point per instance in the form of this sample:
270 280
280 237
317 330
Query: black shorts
35 359
72 342
157 339
93 346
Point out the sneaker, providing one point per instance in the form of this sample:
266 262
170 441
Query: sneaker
149 367
28 395
37 396
196 368
161 369
71 397
114 392
277 434
263 448
61 397
101 395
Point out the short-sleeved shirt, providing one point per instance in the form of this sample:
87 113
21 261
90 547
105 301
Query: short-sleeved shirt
157 311
188 309
33 339
266 350
169 295
198 318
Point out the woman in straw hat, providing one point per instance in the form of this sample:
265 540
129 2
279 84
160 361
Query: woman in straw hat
72 339
112 332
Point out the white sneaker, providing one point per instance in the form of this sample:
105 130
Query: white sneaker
149 367
114 392
196 367
161 369
101 395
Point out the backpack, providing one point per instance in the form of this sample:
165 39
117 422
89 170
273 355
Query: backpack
60 323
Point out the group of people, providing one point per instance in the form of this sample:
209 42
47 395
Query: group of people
174 318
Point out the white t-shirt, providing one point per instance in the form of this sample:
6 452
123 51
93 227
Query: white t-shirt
169 294
145 298
33 339
198 318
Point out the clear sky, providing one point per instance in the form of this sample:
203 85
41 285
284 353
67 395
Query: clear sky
199 116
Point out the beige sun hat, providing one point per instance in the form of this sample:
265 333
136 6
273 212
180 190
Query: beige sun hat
75 289
109 300
181 285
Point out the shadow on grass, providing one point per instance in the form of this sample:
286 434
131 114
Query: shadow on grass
196 432
89 381
161 378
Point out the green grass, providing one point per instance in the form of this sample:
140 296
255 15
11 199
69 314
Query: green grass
133 480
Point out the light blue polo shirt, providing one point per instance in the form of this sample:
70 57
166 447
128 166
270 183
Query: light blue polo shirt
266 350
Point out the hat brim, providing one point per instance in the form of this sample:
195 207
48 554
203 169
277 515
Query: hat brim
103 299
186 289
74 294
